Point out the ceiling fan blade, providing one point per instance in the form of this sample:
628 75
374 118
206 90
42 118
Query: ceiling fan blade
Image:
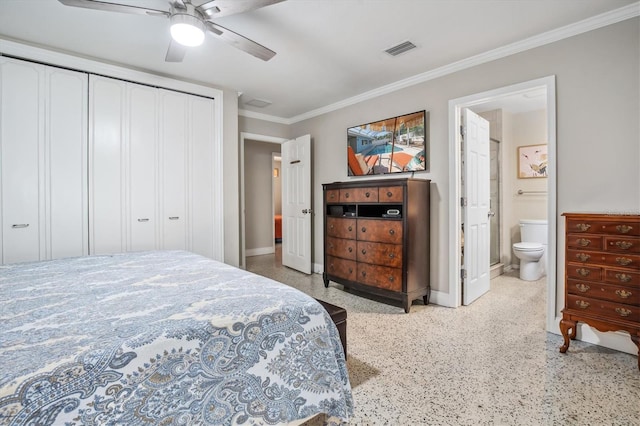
219 8
176 52
114 7
240 42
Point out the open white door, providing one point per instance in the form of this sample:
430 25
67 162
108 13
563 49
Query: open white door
476 209
296 204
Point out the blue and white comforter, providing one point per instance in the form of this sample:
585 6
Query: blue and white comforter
166 338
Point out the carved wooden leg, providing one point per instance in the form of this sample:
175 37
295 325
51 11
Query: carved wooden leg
636 339
568 330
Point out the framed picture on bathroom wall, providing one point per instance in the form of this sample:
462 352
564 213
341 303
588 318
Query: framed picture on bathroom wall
532 161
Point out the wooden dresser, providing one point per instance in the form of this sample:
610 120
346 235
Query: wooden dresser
370 249
602 275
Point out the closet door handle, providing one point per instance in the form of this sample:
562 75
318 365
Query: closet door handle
174 217
144 219
20 225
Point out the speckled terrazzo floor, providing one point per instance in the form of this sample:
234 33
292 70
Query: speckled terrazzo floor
491 363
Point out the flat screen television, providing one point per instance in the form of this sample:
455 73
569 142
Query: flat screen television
393 145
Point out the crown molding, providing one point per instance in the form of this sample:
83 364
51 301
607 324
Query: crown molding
580 27
265 117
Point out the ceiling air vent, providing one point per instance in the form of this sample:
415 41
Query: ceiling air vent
260 103
400 48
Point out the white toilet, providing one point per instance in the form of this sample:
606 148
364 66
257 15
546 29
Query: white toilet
532 251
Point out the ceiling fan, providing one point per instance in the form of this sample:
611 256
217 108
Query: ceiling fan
189 22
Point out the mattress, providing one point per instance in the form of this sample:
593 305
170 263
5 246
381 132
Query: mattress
166 337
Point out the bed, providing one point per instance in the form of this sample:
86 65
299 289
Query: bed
166 337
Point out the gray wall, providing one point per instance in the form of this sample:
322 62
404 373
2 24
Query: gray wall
598 131
258 174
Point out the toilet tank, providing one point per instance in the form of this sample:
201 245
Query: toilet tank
533 231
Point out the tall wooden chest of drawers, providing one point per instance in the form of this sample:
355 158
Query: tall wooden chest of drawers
376 237
602 275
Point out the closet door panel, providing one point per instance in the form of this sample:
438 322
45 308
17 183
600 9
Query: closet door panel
142 167
67 204
173 145
106 159
21 139
201 176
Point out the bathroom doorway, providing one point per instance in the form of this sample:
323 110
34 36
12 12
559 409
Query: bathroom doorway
484 103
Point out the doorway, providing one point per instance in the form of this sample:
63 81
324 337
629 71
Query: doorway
547 86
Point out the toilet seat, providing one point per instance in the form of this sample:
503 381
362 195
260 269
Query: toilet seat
528 246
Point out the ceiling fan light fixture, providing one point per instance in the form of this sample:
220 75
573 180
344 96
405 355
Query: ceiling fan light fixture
187 30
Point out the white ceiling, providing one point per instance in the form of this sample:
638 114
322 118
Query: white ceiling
328 51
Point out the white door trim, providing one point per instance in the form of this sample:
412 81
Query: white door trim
244 136
455 105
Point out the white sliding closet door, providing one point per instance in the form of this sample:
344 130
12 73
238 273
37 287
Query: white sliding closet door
173 169
142 197
106 164
43 123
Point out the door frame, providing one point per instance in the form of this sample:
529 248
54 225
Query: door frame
244 136
455 107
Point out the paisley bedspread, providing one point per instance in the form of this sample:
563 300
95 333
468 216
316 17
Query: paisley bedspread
162 338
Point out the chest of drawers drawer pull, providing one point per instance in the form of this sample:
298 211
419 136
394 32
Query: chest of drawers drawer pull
623 312
364 251
391 255
367 194
583 257
624 245
624 294
350 228
389 193
583 227
624 261
331 226
582 304
583 272
346 195
391 278
350 249
364 273
624 278
623 229
583 242
364 229
330 245
391 232
582 288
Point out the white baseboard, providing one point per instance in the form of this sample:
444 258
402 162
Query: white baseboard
439 298
317 268
259 251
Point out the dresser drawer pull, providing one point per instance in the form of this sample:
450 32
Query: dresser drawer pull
350 228
624 294
582 288
391 278
582 304
364 251
583 257
350 249
391 255
367 194
330 245
364 273
350 271
583 226
624 245
389 194
392 232
623 229
332 196
583 272
623 312
583 242
624 261
331 226
346 195
364 229
624 278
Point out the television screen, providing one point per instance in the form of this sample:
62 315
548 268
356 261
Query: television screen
393 145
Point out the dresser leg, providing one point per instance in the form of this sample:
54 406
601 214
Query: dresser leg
406 303
326 280
636 339
568 330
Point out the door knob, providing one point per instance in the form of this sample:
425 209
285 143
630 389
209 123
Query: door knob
491 213
305 211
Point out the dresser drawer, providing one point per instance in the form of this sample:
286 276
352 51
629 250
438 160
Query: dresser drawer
602 227
622 276
603 308
380 276
332 196
391 194
612 292
380 254
584 272
384 231
622 244
341 268
341 227
591 242
359 195
341 247
602 258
